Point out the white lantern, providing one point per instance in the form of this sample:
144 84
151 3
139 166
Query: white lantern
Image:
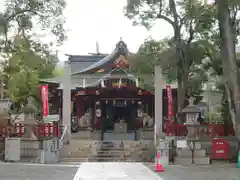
98 113
140 113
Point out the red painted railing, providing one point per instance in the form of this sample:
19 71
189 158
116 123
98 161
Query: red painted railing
39 130
202 130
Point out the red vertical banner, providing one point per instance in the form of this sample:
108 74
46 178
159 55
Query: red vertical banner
170 105
44 94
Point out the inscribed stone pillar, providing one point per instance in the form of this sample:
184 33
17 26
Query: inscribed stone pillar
159 83
66 99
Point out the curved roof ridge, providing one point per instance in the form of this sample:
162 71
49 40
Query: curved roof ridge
130 76
96 64
119 46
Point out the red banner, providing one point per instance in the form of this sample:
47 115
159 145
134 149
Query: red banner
170 106
44 94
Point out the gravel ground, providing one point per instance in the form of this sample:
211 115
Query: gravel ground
204 172
22 171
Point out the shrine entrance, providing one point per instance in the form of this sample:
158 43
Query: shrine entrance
119 111
106 98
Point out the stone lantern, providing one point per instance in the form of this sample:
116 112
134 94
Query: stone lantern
4 113
29 118
192 113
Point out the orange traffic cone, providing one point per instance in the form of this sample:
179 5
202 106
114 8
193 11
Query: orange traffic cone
159 166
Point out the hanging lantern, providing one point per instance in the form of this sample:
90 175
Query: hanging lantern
140 92
140 113
102 84
97 103
120 83
136 82
98 113
84 83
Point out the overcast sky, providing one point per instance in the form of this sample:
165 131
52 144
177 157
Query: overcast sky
103 21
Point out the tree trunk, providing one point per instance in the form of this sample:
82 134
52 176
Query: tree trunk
182 88
181 58
228 56
230 108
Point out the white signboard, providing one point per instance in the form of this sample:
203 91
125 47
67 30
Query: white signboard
51 118
181 144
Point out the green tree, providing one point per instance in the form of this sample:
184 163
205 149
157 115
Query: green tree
58 71
227 23
153 52
187 16
26 58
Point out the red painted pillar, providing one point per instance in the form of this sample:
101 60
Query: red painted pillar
80 109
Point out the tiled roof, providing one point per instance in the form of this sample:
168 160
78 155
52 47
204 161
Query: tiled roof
101 61
80 62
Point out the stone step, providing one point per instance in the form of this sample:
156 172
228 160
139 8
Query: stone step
110 153
78 144
111 159
72 159
188 152
78 154
86 150
198 145
188 160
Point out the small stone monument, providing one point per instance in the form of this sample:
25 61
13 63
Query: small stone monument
191 111
29 118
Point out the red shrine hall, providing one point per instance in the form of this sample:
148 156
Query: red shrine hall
105 94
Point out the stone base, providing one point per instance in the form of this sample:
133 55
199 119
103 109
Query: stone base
188 160
188 153
147 134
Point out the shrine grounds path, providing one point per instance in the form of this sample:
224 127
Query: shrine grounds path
220 171
13 171
116 171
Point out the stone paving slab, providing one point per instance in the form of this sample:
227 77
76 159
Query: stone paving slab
114 171
20 171
203 172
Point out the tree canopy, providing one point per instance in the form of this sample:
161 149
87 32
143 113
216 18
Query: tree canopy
26 55
201 51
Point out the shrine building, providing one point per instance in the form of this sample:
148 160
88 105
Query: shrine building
106 100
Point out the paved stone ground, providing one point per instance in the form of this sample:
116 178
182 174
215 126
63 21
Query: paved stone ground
114 171
36 172
207 172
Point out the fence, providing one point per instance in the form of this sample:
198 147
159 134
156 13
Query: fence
39 130
202 130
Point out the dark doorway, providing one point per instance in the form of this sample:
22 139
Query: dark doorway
114 111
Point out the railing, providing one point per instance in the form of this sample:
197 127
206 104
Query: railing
64 134
39 130
202 130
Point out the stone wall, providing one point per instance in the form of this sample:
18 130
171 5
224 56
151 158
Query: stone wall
29 149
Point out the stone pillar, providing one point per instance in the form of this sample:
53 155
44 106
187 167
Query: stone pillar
159 83
66 97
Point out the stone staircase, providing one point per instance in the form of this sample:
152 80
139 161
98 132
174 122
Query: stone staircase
76 151
186 155
104 151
